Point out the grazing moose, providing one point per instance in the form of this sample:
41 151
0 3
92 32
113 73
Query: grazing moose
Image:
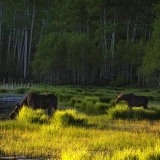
36 101
133 100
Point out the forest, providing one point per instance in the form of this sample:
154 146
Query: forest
80 42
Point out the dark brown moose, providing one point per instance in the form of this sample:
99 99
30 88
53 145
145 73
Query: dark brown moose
133 100
36 101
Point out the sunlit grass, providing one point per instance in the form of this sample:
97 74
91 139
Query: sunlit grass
117 134
121 111
117 139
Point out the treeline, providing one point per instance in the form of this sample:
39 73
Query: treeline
85 42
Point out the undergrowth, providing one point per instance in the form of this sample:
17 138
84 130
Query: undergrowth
122 112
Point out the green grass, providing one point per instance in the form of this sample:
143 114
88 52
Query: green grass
122 112
88 125
28 115
118 139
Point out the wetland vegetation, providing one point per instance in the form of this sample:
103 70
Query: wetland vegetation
88 125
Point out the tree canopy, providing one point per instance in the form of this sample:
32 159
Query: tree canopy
84 42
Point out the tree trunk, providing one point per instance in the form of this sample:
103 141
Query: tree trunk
31 35
8 53
1 11
25 53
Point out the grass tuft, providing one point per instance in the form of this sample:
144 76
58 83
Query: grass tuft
122 112
27 114
69 118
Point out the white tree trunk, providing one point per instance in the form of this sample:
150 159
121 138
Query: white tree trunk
128 27
19 51
25 53
0 29
113 40
8 51
31 35
135 29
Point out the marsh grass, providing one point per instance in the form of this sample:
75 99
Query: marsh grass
121 111
90 105
3 90
75 135
68 118
21 90
118 140
28 115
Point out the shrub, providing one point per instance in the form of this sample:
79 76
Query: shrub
91 99
68 118
27 114
121 112
105 99
21 90
91 105
99 108
151 98
74 100
3 90
112 103
63 96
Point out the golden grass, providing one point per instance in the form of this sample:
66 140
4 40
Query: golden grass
117 139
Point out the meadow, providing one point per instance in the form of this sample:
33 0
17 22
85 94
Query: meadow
88 125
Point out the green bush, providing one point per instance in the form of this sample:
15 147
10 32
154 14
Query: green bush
3 90
75 100
122 112
27 114
68 118
90 105
151 98
21 90
91 99
112 103
65 97
105 99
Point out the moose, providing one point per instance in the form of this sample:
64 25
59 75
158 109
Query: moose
36 101
133 100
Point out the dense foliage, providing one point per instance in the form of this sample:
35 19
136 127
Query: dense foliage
80 41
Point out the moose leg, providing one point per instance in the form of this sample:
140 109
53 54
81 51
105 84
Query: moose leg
31 104
129 106
49 110
145 107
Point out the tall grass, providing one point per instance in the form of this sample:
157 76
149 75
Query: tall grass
121 111
28 115
124 140
90 105
68 118
108 132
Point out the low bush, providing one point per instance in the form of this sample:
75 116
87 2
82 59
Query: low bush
151 98
105 99
90 105
27 114
91 99
21 90
65 97
68 118
122 112
75 100
112 103
3 90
